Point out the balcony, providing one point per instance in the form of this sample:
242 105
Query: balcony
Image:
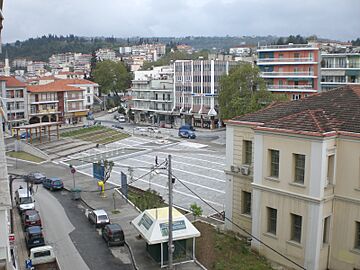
291 88
286 61
276 74
43 112
33 101
289 47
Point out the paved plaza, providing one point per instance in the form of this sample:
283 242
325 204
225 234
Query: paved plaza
196 164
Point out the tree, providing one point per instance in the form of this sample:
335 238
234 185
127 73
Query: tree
113 77
244 91
93 62
108 166
196 210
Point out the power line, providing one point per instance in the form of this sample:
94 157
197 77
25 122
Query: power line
242 229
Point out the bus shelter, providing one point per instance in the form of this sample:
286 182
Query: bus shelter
153 226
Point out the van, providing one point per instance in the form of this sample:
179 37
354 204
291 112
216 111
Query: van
24 199
113 235
99 218
42 255
187 127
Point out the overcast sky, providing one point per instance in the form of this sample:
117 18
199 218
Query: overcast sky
338 19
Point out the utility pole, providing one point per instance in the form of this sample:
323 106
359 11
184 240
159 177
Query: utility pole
170 244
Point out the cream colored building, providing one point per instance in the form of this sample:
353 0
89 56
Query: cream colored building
293 180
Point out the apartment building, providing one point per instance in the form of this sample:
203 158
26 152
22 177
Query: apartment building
292 69
90 90
55 102
338 69
36 68
105 54
196 87
293 179
14 96
152 95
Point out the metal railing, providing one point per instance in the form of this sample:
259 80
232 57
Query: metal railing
271 60
280 74
287 46
276 86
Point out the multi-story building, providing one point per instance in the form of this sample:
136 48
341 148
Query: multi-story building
19 63
36 68
292 69
152 95
105 54
293 180
90 89
196 88
125 50
56 101
14 95
242 50
338 69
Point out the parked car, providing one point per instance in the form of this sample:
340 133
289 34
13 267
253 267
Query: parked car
187 134
25 135
53 183
113 235
35 177
116 117
34 237
117 126
24 200
187 127
121 119
99 218
153 130
30 218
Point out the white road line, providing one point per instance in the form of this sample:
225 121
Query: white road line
212 156
175 169
188 164
222 164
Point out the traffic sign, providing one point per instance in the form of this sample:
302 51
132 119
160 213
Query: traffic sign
11 240
28 264
73 170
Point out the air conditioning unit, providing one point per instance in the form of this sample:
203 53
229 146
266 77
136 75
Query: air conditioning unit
245 169
234 169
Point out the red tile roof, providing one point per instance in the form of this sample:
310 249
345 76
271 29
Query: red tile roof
78 81
337 110
57 86
12 82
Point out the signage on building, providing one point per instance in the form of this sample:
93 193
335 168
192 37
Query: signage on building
12 240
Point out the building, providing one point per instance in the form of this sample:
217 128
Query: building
338 69
105 54
14 96
6 251
292 69
19 63
91 90
196 87
69 75
241 50
185 48
152 95
56 101
36 68
125 50
293 179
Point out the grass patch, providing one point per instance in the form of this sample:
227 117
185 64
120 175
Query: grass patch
220 251
145 199
24 156
81 131
96 134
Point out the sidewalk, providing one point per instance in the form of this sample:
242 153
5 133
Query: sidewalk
90 196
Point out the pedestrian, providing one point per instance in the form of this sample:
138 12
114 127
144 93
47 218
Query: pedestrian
156 160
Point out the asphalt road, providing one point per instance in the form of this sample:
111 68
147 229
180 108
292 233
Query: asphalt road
87 239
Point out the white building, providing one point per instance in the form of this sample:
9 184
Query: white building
90 88
105 54
152 95
125 50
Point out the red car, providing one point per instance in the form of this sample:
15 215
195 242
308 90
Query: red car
31 218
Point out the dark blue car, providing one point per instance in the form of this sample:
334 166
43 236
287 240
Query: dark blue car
53 183
34 237
25 135
184 133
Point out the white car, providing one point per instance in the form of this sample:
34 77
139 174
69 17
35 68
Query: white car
121 119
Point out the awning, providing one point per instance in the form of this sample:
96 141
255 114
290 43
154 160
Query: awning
153 225
80 113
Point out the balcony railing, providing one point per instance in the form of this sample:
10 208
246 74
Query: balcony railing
44 111
33 101
284 60
355 65
287 74
300 87
287 46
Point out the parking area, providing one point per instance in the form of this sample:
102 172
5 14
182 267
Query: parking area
195 164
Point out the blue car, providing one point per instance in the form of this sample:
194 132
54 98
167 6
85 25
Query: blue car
185 133
53 183
25 135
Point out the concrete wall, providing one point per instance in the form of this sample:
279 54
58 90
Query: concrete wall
28 148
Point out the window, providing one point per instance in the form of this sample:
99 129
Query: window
88 90
274 163
299 168
272 220
88 99
357 235
296 228
247 152
246 203
330 170
326 230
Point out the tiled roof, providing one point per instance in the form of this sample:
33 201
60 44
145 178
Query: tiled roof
78 81
12 82
331 111
57 86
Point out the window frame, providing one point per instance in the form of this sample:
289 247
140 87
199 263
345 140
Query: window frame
357 235
271 220
247 152
246 203
299 168
326 230
274 164
296 229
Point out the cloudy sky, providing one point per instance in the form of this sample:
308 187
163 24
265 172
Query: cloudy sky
338 19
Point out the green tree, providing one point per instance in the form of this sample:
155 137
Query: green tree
196 210
108 166
113 77
244 91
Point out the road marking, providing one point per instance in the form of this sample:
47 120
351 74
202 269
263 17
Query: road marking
221 164
188 172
